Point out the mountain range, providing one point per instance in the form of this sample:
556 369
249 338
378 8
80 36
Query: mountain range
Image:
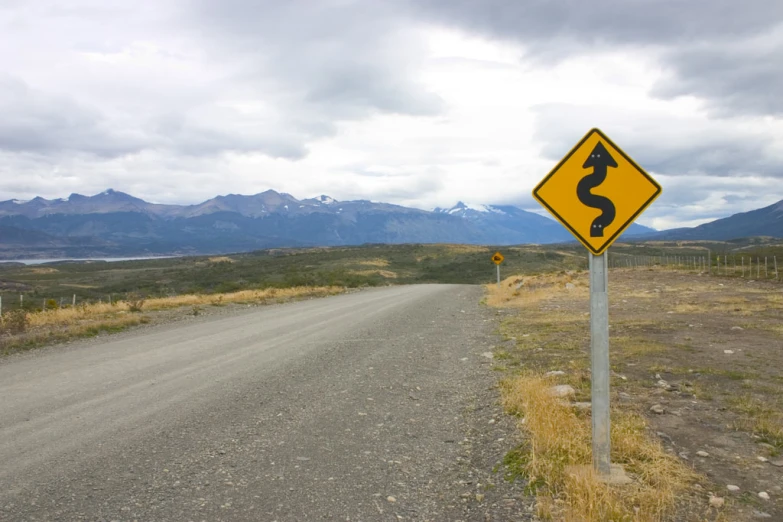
767 221
113 223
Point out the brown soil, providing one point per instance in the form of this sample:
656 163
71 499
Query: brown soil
708 349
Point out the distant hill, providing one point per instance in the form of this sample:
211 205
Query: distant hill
113 223
767 221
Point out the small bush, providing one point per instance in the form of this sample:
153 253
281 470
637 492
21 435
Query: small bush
135 302
14 322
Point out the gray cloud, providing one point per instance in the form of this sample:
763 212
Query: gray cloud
661 143
180 134
34 121
725 51
608 22
334 60
733 77
37 122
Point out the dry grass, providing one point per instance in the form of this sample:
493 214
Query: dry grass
69 331
375 262
42 270
463 249
78 314
534 289
732 305
759 418
557 461
388 274
551 333
73 315
221 259
90 319
778 329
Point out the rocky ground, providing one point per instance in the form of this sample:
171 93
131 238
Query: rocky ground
700 356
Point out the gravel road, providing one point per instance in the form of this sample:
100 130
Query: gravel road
374 405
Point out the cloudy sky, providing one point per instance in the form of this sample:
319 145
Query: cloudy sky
416 102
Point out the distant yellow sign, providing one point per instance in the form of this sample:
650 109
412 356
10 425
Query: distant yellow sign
596 191
497 258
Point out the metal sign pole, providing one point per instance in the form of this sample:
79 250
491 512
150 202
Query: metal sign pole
599 350
498 266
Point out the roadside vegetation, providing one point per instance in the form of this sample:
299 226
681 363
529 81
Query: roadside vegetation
21 329
696 394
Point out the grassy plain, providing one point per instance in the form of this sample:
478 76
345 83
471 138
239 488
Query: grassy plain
350 267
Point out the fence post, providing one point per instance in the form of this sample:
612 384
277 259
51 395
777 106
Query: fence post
775 259
74 300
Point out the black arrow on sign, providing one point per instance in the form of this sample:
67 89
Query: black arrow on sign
599 159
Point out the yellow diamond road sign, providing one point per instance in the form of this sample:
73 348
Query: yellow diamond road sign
497 258
596 191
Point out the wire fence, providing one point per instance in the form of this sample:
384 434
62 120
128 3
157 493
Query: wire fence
748 267
32 302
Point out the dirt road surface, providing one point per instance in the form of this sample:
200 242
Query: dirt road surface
375 405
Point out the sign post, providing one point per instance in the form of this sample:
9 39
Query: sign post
498 258
596 191
599 362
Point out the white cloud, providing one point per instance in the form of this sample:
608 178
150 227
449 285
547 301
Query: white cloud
176 102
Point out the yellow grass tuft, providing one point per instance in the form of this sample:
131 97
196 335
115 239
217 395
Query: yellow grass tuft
463 249
242 296
91 319
375 262
533 289
87 312
73 315
42 270
558 461
388 274
221 259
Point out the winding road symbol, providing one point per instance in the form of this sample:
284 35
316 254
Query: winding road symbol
599 160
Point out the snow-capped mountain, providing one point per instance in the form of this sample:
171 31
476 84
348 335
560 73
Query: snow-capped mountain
515 222
116 223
